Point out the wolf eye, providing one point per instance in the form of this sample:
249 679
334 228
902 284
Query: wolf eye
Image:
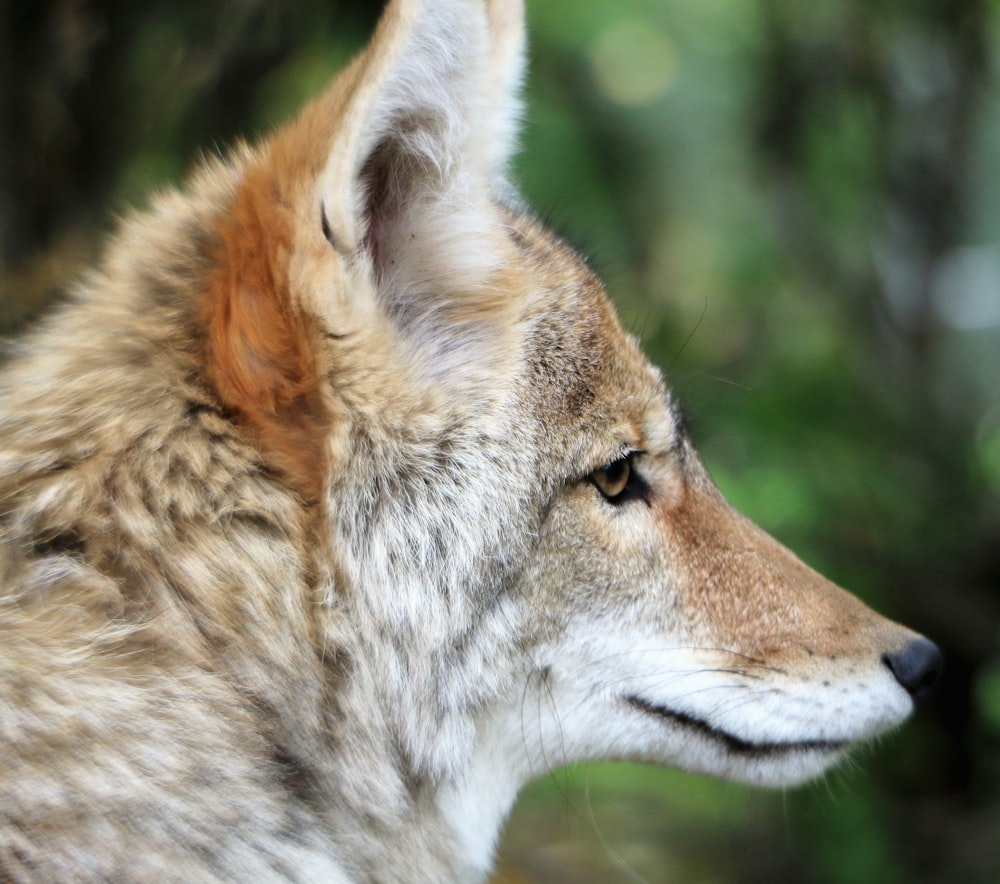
613 479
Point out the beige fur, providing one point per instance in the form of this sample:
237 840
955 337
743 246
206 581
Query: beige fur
306 561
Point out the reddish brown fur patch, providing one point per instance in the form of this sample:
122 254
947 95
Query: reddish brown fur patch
259 351
759 598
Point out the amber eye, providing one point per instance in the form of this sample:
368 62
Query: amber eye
612 479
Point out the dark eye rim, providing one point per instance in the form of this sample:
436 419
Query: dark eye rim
635 487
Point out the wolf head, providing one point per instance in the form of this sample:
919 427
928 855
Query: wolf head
509 489
501 533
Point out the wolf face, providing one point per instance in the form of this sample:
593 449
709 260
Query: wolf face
340 463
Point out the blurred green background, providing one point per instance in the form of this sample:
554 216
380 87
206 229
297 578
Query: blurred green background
796 205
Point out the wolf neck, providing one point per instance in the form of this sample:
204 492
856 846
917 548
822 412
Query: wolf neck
384 793
475 803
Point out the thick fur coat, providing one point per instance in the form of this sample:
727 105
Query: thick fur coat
336 506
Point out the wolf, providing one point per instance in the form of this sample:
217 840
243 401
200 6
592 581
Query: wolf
337 505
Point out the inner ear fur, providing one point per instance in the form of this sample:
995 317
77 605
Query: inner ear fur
414 172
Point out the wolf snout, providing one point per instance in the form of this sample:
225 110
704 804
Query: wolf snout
916 667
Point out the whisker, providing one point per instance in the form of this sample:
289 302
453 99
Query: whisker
609 851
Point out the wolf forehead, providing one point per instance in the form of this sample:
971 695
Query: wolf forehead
578 356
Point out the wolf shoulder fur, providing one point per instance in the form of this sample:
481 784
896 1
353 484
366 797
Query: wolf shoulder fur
337 464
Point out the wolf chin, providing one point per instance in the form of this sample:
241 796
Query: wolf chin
336 506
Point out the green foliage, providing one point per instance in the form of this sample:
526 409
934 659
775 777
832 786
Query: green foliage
988 696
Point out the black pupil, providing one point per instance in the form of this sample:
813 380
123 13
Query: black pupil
616 472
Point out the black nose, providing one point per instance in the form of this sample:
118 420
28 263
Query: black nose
916 667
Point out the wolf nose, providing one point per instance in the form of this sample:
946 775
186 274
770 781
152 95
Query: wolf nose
916 667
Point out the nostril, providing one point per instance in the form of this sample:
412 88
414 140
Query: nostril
916 667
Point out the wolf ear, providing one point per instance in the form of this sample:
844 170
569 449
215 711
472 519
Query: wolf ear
421 148
408 149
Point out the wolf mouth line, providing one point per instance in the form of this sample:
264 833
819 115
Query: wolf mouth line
732 743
